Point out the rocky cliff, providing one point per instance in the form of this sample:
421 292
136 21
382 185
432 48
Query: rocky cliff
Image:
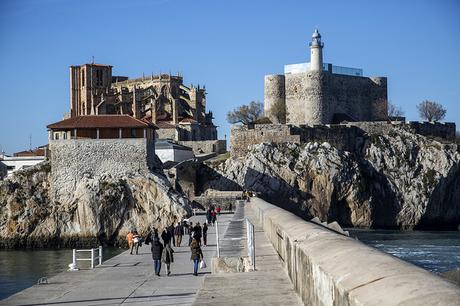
98 208
399 180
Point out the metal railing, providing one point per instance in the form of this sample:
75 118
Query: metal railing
73 266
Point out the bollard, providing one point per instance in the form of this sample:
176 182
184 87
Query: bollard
74 257
217 239
92 258
100 255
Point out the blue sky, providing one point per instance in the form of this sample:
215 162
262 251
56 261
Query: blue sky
227 45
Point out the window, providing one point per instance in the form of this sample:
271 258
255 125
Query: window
98 77
133 133
56 136
83 78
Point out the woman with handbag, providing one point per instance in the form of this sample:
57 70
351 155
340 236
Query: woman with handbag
167 257
197 255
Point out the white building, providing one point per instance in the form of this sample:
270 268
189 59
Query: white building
16 163
166 150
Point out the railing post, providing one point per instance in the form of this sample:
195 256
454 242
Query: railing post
92 258
217 239
74 258
100 255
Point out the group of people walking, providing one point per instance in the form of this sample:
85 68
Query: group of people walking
172 236
212 213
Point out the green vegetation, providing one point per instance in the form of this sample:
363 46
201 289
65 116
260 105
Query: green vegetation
246 114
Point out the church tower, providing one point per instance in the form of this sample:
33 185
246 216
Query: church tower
316 52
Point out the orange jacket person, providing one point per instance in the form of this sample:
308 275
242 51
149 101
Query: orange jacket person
130 238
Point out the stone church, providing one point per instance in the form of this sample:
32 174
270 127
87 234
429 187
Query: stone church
178 110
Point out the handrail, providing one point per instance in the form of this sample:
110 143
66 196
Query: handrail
74 267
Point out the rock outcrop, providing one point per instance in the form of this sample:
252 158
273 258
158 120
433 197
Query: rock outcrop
398 180
100 209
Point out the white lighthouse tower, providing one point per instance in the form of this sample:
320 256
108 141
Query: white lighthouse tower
316 52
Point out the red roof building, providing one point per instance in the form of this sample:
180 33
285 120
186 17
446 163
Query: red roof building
101 127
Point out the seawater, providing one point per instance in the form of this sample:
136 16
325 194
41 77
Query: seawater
20 269
434 251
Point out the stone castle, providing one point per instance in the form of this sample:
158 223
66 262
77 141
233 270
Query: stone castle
178 110
321 102
319 93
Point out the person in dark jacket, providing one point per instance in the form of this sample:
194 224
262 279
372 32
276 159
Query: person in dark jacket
166 236
190 233
196 256
214 217
198 232
151 235
168 257
205 234
157 251
171 233
179 232
208 216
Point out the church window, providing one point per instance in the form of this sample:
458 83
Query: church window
98 77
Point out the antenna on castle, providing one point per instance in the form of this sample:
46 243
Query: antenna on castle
92 59
30 142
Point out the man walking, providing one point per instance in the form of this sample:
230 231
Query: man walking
166 236
171 233
190 233
157 251
179 232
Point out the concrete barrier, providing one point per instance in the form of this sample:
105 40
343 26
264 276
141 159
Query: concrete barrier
327 268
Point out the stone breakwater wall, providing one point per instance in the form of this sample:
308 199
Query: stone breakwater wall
328 268
73 159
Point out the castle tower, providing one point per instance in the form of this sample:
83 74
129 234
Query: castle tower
275 98
316 52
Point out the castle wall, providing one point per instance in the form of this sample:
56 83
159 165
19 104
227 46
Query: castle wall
307 99
165 133
206 146
442 130
348 137
339 136
318 97
71 160
274 92
242 137
360 98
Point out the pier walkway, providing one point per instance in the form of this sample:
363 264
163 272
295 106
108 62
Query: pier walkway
127 279
268 285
